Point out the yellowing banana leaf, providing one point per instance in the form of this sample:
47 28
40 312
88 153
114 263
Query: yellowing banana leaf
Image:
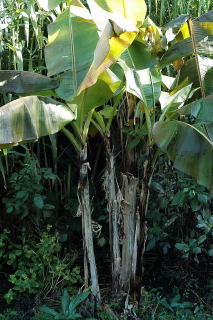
133 10
48 5
24 82
26 119
199 42
205 22
203 32
177 26
71 44
114 40
189 149
153 33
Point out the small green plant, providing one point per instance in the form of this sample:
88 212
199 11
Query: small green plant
26 189
68 310
40 268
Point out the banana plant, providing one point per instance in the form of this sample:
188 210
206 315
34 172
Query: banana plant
84 45
84 72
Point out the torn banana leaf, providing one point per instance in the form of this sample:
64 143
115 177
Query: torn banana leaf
190 150
189 71
198 39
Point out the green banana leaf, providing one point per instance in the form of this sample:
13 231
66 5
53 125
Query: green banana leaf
208 81
71 44
142 79
189 149
144 84
28 118
189 71
25 82
169 102
200 109
178 50
167 81
139 55
107 85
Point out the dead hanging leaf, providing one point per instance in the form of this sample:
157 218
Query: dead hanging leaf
131 101
178 64
151 110
142 106
130 123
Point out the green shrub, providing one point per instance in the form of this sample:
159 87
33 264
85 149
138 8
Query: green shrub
40 268
26 195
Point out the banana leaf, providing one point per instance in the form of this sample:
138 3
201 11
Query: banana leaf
189 71
190 149
107 84
134 10
208 81
200 109
25 82
169 102
137 56
74 48
28 118
178 50
71 44
199 38
176 26
114 40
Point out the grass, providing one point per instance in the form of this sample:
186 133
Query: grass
162 11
